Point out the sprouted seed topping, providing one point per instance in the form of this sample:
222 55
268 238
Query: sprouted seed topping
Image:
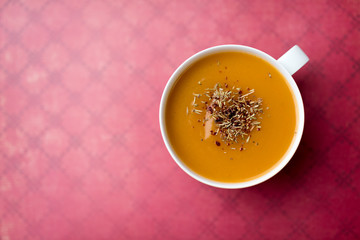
234 111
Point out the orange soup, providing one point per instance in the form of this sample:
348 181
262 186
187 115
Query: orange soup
209 155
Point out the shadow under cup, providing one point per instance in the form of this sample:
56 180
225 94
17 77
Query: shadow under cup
299 108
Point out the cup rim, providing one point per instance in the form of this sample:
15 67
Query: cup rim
299 106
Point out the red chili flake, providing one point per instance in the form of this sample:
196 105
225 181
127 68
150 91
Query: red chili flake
225 67
220 71
258 129
225 78
241 149
226 84
240 92
217 143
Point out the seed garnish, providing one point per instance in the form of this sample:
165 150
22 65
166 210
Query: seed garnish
235 113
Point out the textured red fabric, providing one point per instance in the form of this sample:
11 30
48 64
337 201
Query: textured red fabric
81 155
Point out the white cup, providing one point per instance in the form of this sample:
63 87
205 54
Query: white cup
287 65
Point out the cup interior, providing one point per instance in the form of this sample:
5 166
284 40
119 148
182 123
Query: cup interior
299 109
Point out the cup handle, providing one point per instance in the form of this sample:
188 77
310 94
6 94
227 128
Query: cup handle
293 59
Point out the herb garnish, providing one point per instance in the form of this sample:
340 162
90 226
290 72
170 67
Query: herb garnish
235 113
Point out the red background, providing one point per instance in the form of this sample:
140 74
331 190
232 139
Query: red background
81 155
